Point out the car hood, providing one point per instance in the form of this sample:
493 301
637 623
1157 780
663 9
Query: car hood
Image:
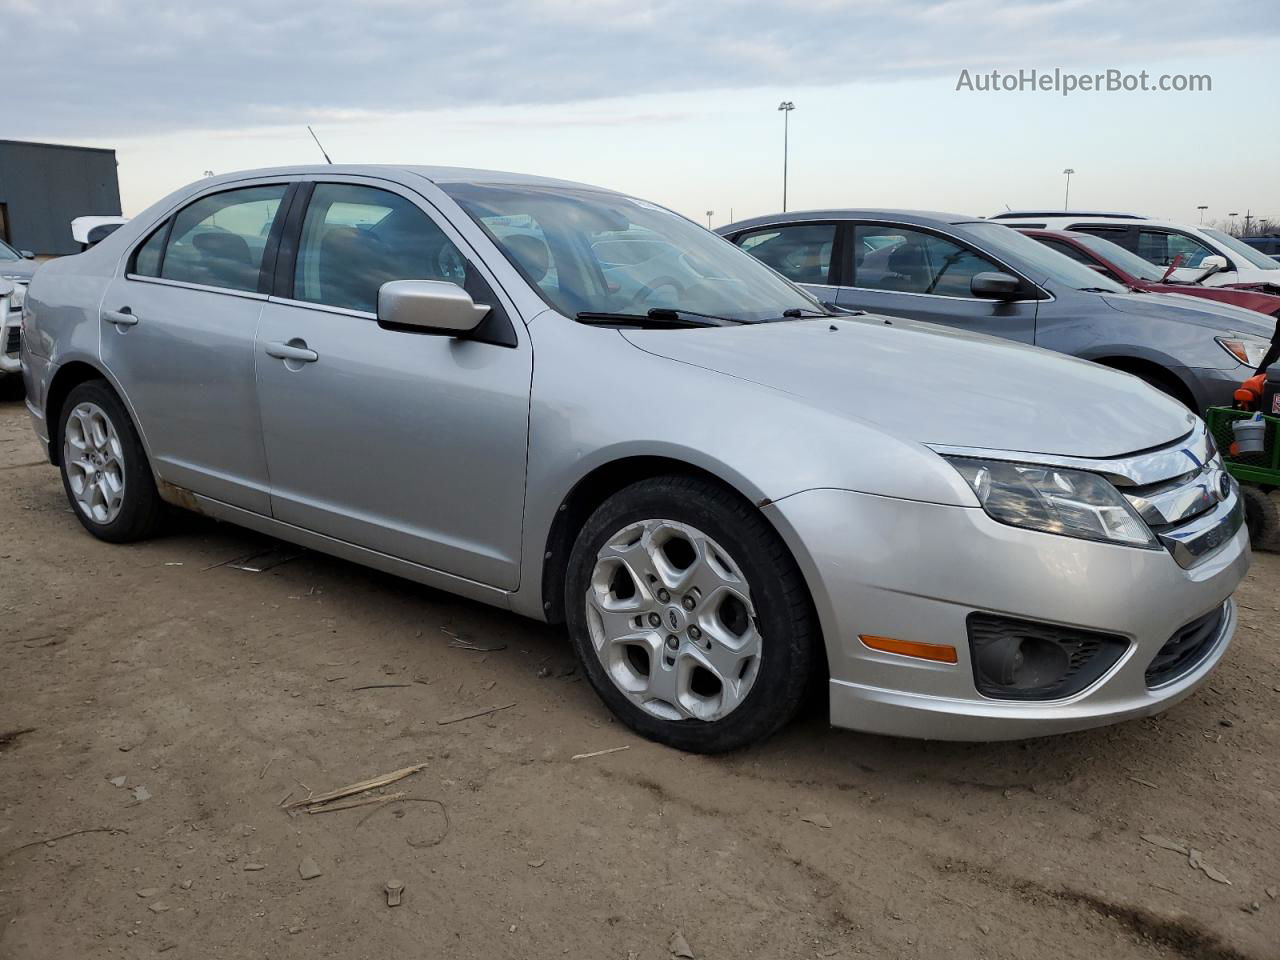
931 384
1248 299
21 270
1211 314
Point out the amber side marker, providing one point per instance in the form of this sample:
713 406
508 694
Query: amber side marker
909 648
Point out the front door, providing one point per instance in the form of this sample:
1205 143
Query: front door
910 272
178 324
402 442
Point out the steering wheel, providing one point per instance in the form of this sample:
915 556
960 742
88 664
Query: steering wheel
650 288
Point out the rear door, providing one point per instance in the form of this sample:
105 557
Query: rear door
403 442
178 325
909 271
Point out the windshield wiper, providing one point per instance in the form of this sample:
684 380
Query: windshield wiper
1095 290
658 318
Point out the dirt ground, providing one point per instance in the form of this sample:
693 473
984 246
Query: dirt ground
215 693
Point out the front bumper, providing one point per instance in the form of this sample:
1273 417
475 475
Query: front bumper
915 571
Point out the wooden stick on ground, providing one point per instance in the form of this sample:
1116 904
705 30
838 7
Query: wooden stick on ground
361 787
348 804
599 753
474 713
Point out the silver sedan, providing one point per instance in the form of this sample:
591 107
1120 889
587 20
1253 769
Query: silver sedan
587 409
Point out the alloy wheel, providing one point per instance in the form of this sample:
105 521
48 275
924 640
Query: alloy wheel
672 621
93 457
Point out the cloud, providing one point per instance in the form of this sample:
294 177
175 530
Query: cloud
110 68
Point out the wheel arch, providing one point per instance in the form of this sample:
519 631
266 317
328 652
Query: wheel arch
593 489
68 376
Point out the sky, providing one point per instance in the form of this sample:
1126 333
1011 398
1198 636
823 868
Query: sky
672 101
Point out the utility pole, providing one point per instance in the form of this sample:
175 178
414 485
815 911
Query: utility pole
786 106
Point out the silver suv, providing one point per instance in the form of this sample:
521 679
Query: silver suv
587 409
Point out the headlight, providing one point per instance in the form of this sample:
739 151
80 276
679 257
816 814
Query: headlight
1247 350
1071 503
19 294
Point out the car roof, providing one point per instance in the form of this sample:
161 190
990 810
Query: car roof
1019 214
1055 221
922 218
435 174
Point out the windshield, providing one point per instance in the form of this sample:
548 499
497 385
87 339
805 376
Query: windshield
1037 261
1243 250
590 252
8 253
1126 260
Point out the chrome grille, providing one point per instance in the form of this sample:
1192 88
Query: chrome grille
13 341
1192 511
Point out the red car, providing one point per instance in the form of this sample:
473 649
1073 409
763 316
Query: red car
1114 261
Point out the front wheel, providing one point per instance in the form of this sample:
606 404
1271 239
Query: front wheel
104 468
689 615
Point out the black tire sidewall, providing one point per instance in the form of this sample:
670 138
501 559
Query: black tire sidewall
141 509
784 624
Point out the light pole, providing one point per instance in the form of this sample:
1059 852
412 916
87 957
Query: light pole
709 213
786 106
1066 199
1233 222
1202 208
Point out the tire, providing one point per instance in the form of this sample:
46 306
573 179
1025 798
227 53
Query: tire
1261 516
105 471
751 619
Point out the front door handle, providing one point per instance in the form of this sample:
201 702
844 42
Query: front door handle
124 317
293 350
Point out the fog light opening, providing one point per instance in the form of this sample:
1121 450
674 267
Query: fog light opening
1024 663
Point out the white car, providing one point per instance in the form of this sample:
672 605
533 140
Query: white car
1160 242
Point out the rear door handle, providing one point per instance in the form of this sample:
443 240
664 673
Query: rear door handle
293 350
123 317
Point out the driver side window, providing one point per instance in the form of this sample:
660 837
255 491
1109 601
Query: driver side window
356 238
912 261
1161 248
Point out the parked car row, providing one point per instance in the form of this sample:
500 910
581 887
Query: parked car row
1190 250
582 407
982 277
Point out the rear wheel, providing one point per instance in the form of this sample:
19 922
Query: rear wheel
689 615
105 472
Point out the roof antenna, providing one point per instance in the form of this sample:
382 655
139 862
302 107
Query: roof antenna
319 144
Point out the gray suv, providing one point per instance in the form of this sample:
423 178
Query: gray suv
987 278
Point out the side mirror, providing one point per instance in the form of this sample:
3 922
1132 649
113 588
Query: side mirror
1213 264
428 306
991 285
26 255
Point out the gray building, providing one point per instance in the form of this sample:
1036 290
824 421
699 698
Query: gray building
43 186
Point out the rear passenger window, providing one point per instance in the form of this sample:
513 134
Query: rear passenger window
219 240
800 252
355 239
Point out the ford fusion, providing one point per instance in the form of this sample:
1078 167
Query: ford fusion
587 409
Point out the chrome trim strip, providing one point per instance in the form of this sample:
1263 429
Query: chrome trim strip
203 288
1188 454
323 307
